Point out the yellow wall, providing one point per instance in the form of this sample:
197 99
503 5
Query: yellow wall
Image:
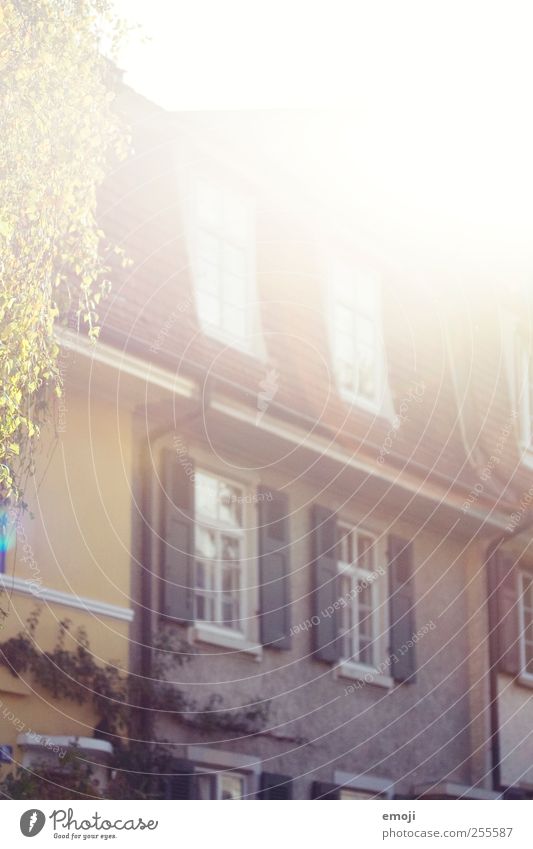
78 542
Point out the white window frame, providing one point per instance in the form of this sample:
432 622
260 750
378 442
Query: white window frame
219 761
380 403
220 528
250 342
217 778
523 576
370 785
357 573
377 672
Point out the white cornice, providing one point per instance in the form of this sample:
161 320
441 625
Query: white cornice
89 605
167 380
100 352
319 445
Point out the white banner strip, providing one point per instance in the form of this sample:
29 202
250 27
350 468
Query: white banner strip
300 823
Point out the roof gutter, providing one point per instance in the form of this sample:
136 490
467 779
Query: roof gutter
137 367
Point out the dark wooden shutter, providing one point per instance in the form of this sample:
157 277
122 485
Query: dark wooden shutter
503 606
180 785
177 536
325 624
274 569
323 790
401 609
274 786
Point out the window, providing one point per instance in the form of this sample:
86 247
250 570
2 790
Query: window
356 335
360 625
346 794
526 622
223 260
220 785
219 551
363 786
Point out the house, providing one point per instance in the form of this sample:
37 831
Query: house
297 479
64 584
322 482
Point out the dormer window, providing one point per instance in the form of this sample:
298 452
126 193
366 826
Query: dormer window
355 333
223 248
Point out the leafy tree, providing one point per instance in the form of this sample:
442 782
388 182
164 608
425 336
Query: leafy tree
59 136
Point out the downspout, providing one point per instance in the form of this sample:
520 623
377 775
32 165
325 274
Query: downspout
493 654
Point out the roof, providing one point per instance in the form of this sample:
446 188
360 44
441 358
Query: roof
444 338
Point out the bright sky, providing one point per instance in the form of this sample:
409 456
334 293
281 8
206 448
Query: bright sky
440 146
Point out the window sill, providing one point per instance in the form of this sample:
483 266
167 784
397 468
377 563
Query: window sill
525 680
360 401
366 674
204 632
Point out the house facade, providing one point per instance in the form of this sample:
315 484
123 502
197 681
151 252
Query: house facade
299 478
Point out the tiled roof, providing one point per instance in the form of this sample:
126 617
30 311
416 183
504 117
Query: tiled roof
151 310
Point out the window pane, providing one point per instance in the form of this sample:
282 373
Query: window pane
208 205
346 376
367 300
231 786
345 541
345 347
231 582
206 495
208 308
347 617
204 596
366 333
208 248
365 552
367 371
366 652
344 320
236 218
234 321
208 278
205 542
230 549
234 290
234 261
365 602
353 794
230 612
201 577
344 283
230 504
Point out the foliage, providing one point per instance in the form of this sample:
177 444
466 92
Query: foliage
58 137
70 674
73 779
119 701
